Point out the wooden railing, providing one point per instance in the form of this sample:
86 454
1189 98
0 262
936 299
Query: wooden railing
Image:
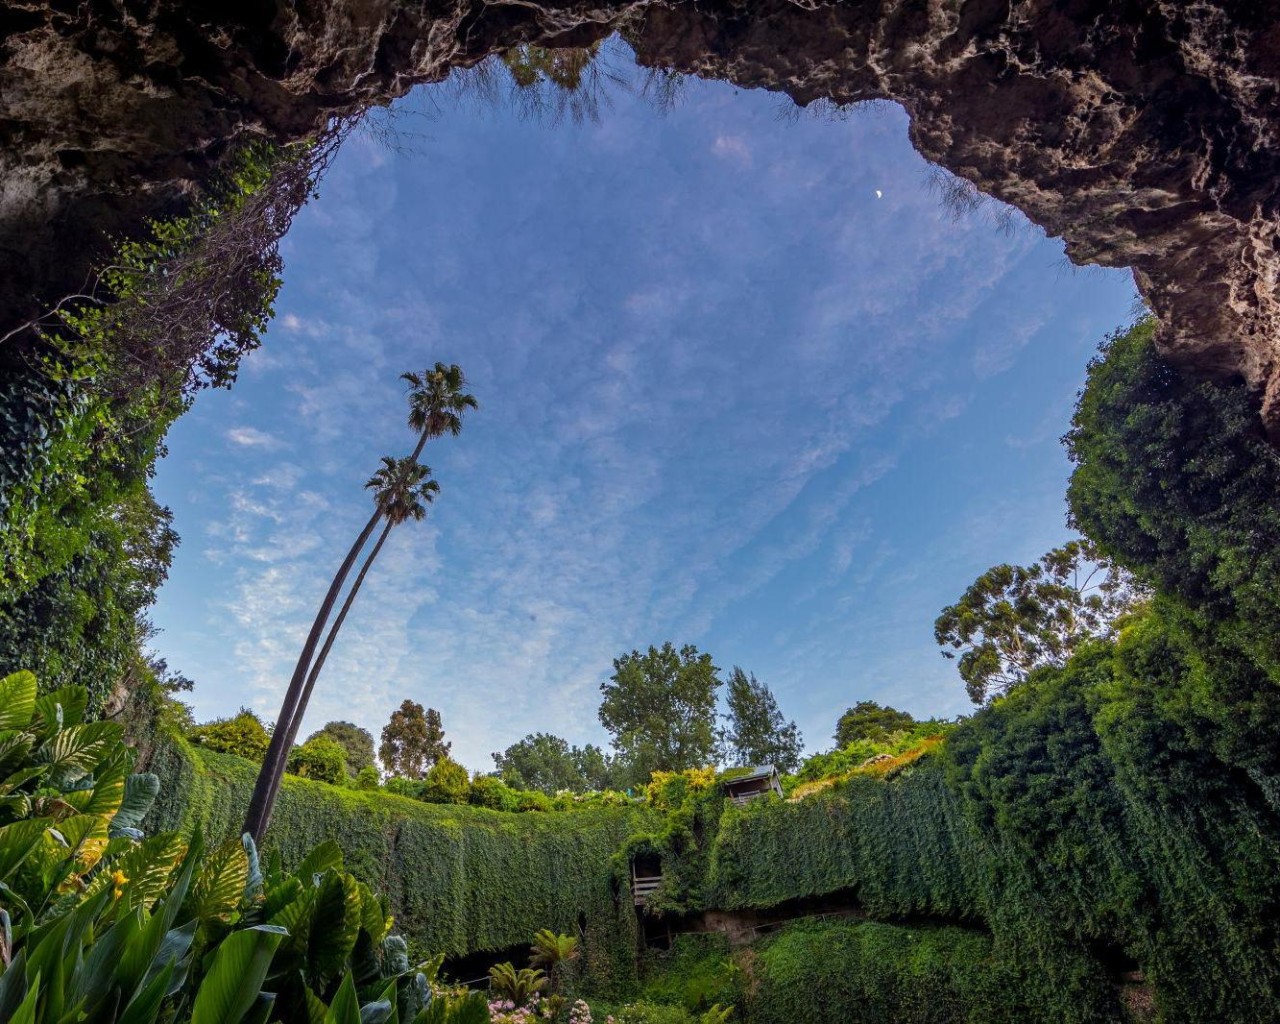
641 886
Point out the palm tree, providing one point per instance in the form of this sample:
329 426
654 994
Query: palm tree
437 402
402 490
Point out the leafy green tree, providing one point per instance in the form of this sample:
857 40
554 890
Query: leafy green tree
243 735
447 782
367 779
1176 480
1014 619
756 732
412 741
321 758
356 743
437 402
660 707
547 763
598 770
539 761
868 720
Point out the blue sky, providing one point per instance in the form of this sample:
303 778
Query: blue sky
729 397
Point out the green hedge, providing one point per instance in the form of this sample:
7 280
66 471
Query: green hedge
866 972
459 879
900 847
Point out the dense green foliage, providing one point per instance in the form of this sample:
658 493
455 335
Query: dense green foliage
458 879
98 923
866 972
243 734
547 763
1175 480
660 708
86 397
356 743
446 783
867 720
320 758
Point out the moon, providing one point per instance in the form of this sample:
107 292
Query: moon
879 194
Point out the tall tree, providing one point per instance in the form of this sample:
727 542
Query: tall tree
437 402
412 741
867 720
660 707
756 732
1014 618
356 743
438 398
402 490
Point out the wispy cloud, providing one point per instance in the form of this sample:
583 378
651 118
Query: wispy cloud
252 437
767 419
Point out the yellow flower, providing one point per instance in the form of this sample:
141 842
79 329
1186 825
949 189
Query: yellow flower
118 878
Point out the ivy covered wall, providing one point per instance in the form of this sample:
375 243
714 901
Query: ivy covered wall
459 879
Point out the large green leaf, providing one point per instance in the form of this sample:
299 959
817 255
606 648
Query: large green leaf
235 977
221 885
325 856
60 709
17 841
345 1008
335 924
17 700
144 1008
73 753
140 792
26 1013
15 752
13 986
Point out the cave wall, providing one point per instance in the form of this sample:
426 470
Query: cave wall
1145 133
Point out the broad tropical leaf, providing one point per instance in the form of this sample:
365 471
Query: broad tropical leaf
17 700
322 858
140 792
221 885
334 926
17 841
345 1008
60 709
73 753
235 978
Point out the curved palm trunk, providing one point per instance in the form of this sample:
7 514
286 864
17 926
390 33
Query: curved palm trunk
268 782
318 664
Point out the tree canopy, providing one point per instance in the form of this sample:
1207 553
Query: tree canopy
547 763
1013 618
660 708
412 741
868 720
356 743
756 732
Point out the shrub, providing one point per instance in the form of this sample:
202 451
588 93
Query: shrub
491 792
244 735
320 758
446 783
367 779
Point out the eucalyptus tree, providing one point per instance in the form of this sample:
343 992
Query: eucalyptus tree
402 490
438 399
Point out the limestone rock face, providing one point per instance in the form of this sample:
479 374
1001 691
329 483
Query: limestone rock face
1146 133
